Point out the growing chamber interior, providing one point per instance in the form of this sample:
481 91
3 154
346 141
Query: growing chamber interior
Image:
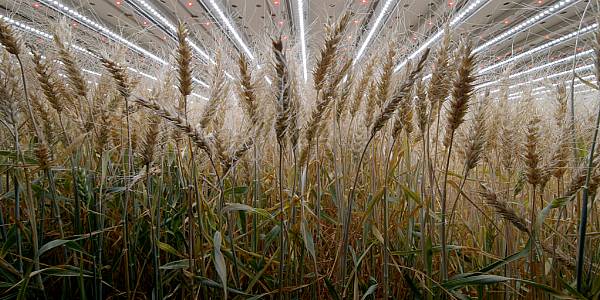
299 149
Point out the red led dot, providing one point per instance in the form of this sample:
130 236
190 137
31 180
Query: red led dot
450 3
280 23
506 21
206 23
118 2
364 1
540 1
190 3
355 21
276 2
36 5
285 37
145 22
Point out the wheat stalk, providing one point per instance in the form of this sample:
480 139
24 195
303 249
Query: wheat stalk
389 107
461 95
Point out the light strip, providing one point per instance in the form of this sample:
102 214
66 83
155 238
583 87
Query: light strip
38 32
235 34
372 31
231 29
173 29
543 89
30 29
105 31
25 27
91 72
455 21
550 64
579 69
542 47
200 96
88 22
142 73
527 23
302 38
47 36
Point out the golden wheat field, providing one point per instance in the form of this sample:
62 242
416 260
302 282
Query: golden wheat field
431 178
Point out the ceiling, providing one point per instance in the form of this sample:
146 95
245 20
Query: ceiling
408 24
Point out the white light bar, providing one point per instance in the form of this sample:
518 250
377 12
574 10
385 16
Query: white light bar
147 7
463 15
142 73
200 96
568 86
101 29
579 69
544 89
542 47
172 27
196 80
527 23
91 72
173 30
372 31
550 64
47 36
231 29
302 38
40 33
105 31
25 27
30 29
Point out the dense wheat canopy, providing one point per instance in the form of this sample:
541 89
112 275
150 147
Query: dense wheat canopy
296 149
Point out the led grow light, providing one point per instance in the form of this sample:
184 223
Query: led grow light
171 27
98 28
25 27
542 47
30 29
231 29
543 89
546 13
579 69
142 73
106 32
372 31
464 14
550 64
302 38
